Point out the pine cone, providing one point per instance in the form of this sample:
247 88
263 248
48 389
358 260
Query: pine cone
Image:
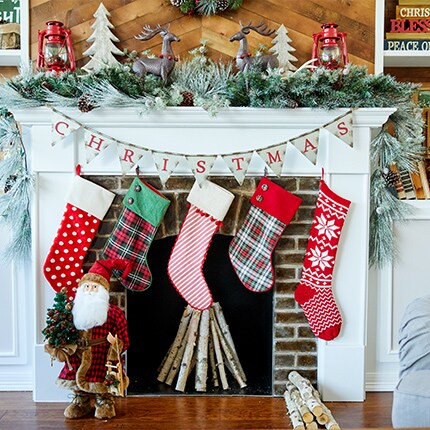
222 5
187 99
176 3
85 103
391 178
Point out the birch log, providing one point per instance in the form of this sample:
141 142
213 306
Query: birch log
218 353
331 423
232 362
312 425
293 412
322 419
202 353
305 413
212 363
227 335
179 339
306 391
189 350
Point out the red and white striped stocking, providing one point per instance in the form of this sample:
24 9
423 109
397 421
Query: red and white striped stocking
314 293
209 204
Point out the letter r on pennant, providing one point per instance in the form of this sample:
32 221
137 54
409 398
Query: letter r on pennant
128 153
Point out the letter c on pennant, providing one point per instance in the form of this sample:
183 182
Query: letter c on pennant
56 127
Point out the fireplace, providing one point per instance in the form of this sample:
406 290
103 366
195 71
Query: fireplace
271 333
339 365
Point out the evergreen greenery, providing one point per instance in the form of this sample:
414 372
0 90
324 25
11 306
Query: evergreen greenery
206 7
214 86
60 330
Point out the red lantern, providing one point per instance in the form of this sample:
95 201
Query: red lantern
55 52
329 47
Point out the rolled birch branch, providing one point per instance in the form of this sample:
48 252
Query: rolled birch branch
331 423
293 412
306 391
312 425
213 363
218 353
179 339
189 350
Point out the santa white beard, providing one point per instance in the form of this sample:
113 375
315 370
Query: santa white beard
90 309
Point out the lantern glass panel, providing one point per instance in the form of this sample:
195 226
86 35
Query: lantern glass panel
330 56
55 54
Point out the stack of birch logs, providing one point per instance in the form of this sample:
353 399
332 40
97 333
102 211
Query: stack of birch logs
203 342
305 408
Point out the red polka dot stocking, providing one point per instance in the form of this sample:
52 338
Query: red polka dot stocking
314 293
86 207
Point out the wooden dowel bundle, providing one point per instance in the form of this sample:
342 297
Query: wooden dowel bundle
203 342
304 405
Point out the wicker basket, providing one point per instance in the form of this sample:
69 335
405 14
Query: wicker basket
9 36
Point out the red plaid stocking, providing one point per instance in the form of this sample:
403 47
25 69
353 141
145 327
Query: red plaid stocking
144 209
272 209
87 205
209 205
314 292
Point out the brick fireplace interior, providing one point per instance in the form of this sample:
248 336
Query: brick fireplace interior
271 334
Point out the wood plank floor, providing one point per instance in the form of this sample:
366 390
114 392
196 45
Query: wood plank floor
19 412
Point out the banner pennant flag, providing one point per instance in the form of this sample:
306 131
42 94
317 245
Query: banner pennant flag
308 145
166 164
238 164
129 156
62 127
201 166
95 144
274 157
342 128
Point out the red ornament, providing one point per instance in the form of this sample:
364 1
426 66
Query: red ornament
55 52
329 48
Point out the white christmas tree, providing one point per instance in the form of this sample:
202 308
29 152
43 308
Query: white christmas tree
102 50
282 48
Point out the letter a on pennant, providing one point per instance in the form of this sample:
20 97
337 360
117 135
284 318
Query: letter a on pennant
166 164
201 166
61 127
274 157
308 145
94 145
129 156
238 164
342 128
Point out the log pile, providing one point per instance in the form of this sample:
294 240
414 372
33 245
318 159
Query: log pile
304 405
204 343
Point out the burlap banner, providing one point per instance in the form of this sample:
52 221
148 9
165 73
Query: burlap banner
129 155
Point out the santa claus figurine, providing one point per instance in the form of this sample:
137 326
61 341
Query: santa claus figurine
103 337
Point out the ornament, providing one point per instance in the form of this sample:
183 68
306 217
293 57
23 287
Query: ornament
86 103
102 50
329 48
244 60
163 65
55 52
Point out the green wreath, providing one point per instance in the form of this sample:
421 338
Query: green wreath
206 7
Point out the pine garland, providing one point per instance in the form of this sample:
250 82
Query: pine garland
214 86
205 7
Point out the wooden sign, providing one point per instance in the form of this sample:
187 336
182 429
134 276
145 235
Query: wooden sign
10 11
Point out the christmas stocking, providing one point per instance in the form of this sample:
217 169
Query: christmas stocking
144 209
314 292
272 209
209 205
87 205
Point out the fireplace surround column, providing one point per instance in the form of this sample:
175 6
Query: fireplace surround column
341 367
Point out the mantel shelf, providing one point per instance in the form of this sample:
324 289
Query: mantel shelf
406 58
10 57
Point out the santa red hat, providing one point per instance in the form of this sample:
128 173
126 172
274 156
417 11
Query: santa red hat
102 271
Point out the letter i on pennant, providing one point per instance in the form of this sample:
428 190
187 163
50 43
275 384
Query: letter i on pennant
166 164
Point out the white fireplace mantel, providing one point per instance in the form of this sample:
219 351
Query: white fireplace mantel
341 367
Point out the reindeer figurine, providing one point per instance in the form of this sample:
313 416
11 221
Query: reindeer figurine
163 65
243 58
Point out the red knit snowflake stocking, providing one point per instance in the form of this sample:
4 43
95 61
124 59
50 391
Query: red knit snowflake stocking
272 209
87 205
209 205
314 293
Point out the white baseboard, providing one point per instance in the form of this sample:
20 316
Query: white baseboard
22 381
381 381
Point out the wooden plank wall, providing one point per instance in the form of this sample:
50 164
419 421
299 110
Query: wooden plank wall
301 18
